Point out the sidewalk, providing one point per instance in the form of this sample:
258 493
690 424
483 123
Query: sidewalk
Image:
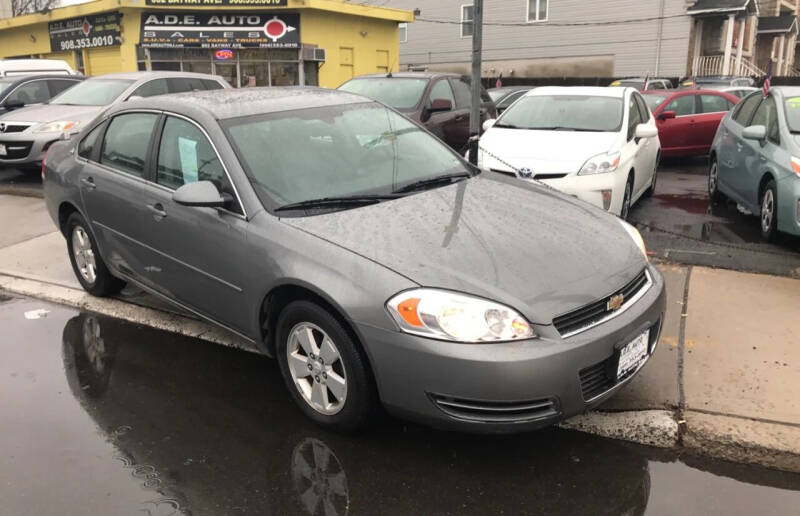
724 381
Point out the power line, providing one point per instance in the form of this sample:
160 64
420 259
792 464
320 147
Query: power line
557 24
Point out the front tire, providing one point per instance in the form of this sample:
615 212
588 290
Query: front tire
713 183
626 200
323 368
769 212
652 188
88 265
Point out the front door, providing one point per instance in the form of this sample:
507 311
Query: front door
731 147
756 154
111 185
447 125
196 253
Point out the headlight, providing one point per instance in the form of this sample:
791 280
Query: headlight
600 164
636 236
448 315
52 127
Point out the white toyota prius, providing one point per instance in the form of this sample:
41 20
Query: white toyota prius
598 144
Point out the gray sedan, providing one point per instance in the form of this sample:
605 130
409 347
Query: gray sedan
377 266
27 133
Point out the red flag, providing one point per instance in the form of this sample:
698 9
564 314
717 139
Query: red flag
499 83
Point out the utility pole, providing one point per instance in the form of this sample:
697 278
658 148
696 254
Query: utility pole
477 49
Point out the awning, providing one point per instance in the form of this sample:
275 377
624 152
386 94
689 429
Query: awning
777 24
722 7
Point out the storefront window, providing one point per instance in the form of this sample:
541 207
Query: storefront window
197 66
284 74
254 74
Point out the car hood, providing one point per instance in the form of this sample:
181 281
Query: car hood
519 243
54 112
563 152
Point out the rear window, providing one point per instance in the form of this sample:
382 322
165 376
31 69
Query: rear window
653 101
396 92
93 92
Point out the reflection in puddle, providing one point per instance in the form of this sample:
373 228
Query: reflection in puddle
688 203
319 479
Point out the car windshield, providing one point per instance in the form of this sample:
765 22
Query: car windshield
337 152
792 107
396 92
564 112
93 92
499 94
653 101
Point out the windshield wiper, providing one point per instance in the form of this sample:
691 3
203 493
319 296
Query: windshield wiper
423 184
325 202
509 126
563 128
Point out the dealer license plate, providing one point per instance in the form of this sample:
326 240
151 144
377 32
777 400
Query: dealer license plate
2 150
633 354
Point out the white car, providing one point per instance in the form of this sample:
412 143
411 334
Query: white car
598 144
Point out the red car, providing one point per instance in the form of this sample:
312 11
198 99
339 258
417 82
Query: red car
687 120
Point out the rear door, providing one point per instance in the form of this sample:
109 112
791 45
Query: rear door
710 110
111 181
673 132
194 252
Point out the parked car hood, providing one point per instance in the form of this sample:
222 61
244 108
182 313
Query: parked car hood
561 152
520 243
54 112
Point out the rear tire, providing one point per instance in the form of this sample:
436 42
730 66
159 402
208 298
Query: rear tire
713 183
331 383
88 265
769 212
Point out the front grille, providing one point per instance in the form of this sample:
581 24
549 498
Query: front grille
16 150
535 176
602 376
586 316
15 128
496 411
506 172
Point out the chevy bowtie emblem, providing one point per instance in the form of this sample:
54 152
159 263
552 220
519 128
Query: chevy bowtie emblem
615 303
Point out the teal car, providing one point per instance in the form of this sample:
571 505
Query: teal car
755 159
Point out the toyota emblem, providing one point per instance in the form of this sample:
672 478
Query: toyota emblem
525 173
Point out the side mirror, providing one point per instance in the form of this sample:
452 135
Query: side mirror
438 105
645 131
488 124
201 194
13 104
667 115
134 97
755 132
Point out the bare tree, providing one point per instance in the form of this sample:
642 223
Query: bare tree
20 7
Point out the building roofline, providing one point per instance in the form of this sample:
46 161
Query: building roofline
101 6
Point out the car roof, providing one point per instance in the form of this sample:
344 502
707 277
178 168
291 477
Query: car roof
512 88
23 78
234 103
407 75
599 91
787 91
135 76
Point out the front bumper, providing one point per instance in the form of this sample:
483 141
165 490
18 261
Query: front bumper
590 188
508 387
26 148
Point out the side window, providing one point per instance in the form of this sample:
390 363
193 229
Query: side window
33 92
714 104
511 99
746 108
126 141
634 117
151 89
87 146
767 115
184 84
211 85
462 92
442 90
643 109
59 85
186 156
682 106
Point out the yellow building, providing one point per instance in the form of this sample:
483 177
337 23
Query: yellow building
248 42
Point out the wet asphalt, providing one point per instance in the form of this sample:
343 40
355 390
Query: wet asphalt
99 416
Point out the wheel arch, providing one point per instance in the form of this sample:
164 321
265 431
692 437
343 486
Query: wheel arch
766 177
65 209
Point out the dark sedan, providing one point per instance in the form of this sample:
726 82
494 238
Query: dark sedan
370 259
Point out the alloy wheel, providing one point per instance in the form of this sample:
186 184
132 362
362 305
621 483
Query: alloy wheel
316 368
767 211
84 255
712 179
626 202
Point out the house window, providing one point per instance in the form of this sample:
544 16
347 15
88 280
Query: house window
537 10
402 31
466 20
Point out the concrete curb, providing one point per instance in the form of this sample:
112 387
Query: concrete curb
735 439
649 427
120 309
21 191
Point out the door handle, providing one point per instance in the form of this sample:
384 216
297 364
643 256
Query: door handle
157 210
88 182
